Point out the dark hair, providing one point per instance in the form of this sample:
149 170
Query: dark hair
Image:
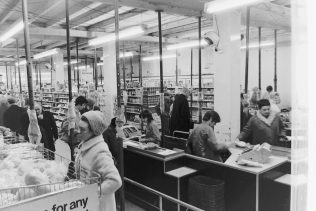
263 102
81 100
269 88
113 124
212 115
147 114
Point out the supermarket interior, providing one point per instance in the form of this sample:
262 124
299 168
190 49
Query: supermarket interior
145 105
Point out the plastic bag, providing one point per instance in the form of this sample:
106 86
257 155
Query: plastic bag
34 132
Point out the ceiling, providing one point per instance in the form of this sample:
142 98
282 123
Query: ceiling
91 18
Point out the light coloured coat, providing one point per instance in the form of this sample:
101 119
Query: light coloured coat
95 157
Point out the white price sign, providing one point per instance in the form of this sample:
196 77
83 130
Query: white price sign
77 199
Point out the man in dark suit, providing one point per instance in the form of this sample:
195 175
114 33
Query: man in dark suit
48 127
12 117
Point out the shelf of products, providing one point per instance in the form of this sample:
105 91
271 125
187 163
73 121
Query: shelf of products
55 102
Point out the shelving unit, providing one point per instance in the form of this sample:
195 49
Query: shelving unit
55 102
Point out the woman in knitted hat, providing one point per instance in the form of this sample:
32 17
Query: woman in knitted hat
94 156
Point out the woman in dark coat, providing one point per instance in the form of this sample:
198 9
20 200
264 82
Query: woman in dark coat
180 115
47 122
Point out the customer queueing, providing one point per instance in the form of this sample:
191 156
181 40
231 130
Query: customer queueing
94 156
266 95
13 115
265 126
202 139
47 123
81 105
152 131
180 114
4 105
110 136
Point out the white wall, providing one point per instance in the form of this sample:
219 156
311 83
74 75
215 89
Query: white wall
267 71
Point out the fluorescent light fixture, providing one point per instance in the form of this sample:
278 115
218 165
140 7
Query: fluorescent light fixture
11 32
222 5
46 53
256 45
133 31
189 44
151 58
71 62
23 62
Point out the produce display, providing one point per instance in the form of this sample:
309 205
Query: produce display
24 173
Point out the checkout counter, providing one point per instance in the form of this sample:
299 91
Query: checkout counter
168 171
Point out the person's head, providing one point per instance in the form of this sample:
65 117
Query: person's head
81 102
264 107
38 108
92 124
275 98
146 116
119 122
269 88
212 118
186 92
90 104
12 101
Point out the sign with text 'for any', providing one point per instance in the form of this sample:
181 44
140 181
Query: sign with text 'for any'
77 199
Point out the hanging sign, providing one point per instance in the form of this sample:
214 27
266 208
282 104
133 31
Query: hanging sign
77 199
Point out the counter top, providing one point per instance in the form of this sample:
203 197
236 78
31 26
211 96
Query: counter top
273 162
159 153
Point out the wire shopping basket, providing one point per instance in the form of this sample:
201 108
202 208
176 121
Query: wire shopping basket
28 170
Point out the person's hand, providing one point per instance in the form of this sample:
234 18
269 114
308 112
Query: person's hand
239 143
40 116
283 138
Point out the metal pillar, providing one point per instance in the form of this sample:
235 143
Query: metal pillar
162 106
200 70
18 60
124 68
191 102
36 73
77 55
51 71
275 61
95 69
28 54
68 51
177 79
131 61
247 50
69 79
6 74
14 75
40 74
117 52
11 81
259 59
140 75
